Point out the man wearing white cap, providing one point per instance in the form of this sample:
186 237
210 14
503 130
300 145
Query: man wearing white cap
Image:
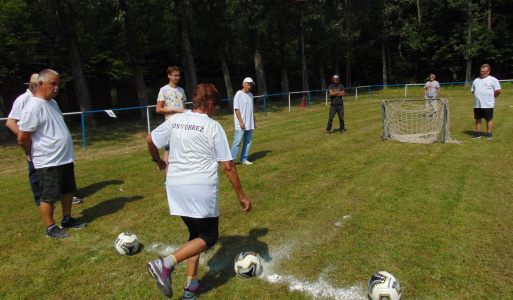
245 121
336 91
12 123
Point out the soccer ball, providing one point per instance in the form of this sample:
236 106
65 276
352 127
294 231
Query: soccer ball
384 286
126 243
247 265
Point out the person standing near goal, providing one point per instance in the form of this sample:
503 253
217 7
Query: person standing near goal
336 91
431 91
485 89
171 99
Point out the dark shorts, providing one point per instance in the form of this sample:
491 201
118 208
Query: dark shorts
56 181
206 229
483 113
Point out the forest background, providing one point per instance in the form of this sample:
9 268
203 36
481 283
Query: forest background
114 53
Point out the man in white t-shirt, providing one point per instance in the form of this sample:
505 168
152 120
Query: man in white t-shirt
171 99
12 123
245 121
485 89
46 140
198 144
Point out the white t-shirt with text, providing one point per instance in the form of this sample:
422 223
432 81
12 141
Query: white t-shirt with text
197 145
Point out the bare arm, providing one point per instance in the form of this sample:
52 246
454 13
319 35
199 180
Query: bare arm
160 109
13 126
25 142
231 172
155 155
239 117
497 93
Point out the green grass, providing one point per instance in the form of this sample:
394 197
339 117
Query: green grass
327 209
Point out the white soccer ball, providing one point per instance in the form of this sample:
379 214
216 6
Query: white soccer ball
384 286
126 243
247 265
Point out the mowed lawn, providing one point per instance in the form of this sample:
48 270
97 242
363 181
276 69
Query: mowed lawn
328 211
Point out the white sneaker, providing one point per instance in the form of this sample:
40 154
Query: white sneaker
77 200
246 162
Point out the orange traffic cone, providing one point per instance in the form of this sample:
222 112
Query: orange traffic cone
303 102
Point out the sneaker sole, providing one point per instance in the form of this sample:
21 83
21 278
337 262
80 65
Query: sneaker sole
153 270
204 288
76 228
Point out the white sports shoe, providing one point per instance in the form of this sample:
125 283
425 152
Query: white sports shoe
246 162
77 200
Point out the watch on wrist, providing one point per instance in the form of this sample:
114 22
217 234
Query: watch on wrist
155 160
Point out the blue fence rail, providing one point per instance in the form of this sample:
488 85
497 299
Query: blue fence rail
368 91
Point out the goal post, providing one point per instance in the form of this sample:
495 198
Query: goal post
416 120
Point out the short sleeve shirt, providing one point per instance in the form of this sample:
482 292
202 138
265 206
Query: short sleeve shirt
18 105
197 145
432 88
172 98
52 144
244 103
336 100
484 91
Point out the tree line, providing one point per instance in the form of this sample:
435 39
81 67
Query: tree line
285 45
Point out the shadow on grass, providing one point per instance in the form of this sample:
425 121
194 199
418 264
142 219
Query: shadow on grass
221 263
258 155
106 208
95 187
470 132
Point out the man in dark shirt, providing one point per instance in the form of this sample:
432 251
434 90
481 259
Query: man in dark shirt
336 91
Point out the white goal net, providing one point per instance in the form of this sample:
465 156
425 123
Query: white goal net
416 121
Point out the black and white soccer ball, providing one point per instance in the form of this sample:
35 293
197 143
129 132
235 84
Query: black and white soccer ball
247 265
126 243
384 286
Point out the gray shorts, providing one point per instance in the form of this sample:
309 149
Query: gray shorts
56 181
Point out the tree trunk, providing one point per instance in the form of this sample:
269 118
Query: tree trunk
188 59
419 15
304 70
259 69
81 89
140 86
384 63
284 80
489 14
226 74
321 75
348 45
468 50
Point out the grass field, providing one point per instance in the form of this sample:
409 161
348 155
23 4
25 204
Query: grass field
328 212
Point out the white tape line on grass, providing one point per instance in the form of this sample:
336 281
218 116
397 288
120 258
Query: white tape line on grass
318 289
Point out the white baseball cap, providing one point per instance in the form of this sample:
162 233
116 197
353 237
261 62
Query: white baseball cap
248 80
335 77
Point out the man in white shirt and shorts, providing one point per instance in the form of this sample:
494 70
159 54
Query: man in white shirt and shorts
485 89
47 142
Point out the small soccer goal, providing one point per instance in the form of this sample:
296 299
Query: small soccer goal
416 121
